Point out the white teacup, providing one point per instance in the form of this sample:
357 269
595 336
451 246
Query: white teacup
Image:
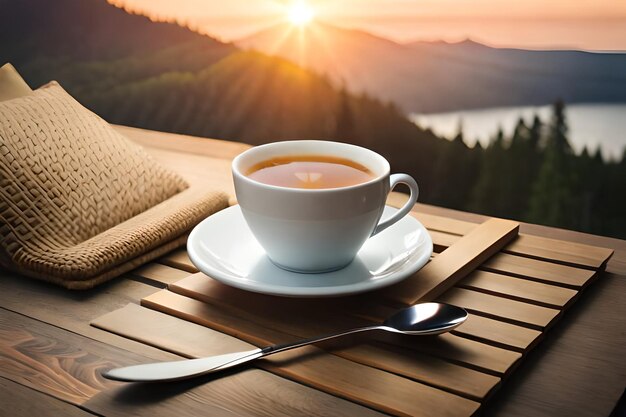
316 230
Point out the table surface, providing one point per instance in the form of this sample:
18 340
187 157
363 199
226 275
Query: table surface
49 350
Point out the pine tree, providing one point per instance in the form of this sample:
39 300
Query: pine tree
535 132
487 194
553 200
456 171
522 162
344 130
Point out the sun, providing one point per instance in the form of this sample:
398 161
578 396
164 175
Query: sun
300 13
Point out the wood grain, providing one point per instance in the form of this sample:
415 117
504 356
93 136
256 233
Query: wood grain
159 275
561 250
359 383
189 339
74 310
498 333
453 264
486 330
578 369
444 224
568 253
192 340
169 333
432 221
442 240
178 259
199 171
53 361
519 289
249 392
236 309
18 400
516 312
556 250
539 270
55 307
616 264
68 367
177 143
439 373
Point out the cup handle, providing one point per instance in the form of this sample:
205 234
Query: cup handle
394 180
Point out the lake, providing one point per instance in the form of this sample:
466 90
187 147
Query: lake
590 125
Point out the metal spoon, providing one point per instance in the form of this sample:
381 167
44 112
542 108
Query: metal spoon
420 319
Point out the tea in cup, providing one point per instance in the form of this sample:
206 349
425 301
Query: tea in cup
313 204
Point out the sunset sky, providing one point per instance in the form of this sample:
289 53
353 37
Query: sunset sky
540 24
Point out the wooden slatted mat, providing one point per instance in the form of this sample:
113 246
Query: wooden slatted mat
514 286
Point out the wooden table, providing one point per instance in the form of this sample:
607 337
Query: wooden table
49 350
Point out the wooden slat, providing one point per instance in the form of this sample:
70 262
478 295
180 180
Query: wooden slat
527 263
360 383
566 252
192 340
539 270
178 259
580 369
168 332
516 312
425 368
372 387
306 318
476 355
498 333
569 253
519 289
442 240
521 265
159 275
454 263
291 316
444 224
489 331
445 233
431 221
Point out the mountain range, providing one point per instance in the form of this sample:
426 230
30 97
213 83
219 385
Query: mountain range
133 71
161 76
426 77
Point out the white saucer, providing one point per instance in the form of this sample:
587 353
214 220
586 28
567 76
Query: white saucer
223 247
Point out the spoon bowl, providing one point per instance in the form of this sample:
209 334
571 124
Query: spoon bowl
426 318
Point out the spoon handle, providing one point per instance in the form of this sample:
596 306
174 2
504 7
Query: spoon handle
270 350
179 370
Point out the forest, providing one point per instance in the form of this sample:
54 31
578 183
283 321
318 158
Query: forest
161 76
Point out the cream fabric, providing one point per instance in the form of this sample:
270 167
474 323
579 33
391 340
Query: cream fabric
11 84
78 199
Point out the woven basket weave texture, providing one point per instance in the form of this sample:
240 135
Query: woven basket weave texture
77 199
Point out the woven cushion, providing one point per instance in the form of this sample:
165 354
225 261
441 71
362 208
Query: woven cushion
79 202
11 84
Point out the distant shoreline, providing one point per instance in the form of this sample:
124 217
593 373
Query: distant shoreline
590 125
